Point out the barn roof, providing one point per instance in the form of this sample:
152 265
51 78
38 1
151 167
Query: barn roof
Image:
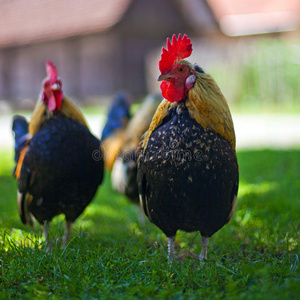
35 20
244 17
30 21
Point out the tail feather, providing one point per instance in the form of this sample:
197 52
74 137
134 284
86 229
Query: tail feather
17 170
118 115
21 135
24 201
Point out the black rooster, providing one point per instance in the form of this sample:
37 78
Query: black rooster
60 168
187 166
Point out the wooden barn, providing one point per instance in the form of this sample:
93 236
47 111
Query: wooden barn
101 47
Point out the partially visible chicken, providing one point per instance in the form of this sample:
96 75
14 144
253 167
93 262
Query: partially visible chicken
124 170
61 166
187 165
112 136
21 135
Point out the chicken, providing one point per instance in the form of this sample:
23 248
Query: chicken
124 170
112 136
187 165
21 135
61 166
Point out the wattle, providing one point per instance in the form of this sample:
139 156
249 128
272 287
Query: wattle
51 102
58 97
171 92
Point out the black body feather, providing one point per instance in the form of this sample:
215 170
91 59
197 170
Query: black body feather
62 170
187 176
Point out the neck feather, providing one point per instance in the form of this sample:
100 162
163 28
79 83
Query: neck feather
208 106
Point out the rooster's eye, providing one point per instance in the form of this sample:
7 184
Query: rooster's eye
181 69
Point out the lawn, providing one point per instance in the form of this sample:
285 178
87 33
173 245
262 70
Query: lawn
112 255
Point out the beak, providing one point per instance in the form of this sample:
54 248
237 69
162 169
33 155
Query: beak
163 77
55 86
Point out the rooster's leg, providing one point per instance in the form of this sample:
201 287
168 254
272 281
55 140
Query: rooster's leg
203 254
141 215
67 234
45 231
171 247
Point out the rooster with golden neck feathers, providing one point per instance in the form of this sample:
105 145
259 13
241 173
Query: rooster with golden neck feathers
187 165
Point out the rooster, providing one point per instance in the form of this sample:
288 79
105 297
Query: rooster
112 136
59 162
124 170
187 165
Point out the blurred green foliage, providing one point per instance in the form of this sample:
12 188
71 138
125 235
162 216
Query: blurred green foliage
262 76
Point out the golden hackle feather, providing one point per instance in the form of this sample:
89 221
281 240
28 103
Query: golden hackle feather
157 119
71 111
39 117
41 114
208 106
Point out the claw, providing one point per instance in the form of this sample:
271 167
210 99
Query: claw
182 256
49 247
201 257
66 236
188 254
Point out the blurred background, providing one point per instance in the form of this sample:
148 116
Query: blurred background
251 47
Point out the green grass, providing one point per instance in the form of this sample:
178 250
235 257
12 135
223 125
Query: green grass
111 255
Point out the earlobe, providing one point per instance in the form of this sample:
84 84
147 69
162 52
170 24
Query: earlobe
189 82
52 102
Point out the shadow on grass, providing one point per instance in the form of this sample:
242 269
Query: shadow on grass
267 214
111 255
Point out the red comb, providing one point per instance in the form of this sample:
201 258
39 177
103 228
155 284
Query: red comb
179 49
51 70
